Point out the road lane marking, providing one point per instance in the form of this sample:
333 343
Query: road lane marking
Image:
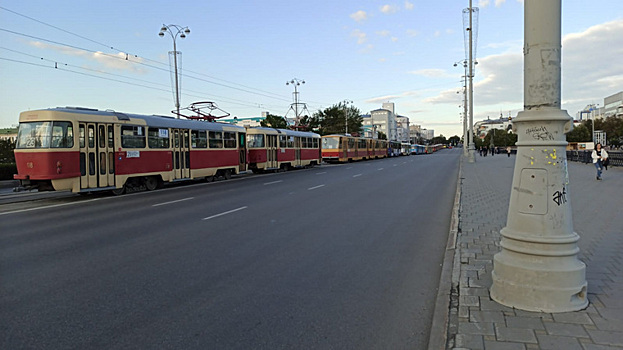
273 182
50 206
350 167
324 172
395 164
171 202
315 187
225 213
380 168
357 175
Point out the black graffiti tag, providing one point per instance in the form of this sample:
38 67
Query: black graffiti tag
560 197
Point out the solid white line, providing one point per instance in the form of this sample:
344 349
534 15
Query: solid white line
49 206
274 182
357 175
324 172
224 213
380 168
171 202
315 187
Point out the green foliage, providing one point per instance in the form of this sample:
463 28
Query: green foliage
501 138
308 123
454 140
580 133
6 151
381 135
439 140
7 170
274 121
331 120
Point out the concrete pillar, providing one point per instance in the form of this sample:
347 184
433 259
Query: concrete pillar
537 268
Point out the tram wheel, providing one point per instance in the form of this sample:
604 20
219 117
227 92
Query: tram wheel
151 183
227 174
209 178
118 191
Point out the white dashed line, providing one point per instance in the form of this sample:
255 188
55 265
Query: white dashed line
224 213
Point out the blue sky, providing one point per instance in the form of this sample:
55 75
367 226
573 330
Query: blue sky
239 54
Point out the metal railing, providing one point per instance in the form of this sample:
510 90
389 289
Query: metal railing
616 157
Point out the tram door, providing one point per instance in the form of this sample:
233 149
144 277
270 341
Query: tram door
344 144
242 149
97 155
271 150
297 151
181 154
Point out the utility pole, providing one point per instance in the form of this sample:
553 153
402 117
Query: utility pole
345 107
296 83
538 268
470 155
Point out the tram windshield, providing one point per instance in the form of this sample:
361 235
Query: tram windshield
45 135
330 143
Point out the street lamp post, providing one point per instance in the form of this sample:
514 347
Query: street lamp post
174 30
470 154
296 82
345 107
538 268
465 134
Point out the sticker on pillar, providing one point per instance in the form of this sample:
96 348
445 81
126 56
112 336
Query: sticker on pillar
532 197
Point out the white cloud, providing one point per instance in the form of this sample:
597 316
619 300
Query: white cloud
388 98
383 33
408 5
437 34
388 9
499 3
431 73
359 16
484 3
412 32
394 39
361 36
382 60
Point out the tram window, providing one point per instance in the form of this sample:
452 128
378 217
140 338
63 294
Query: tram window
62 135
255 141
111 162
102 136
216 139
91 136
83 164
82 136
230 139
291 142
315 143
185 138
91 163
102 163
45 135
132 136
158 138
199 139
282 141
111 141
329 143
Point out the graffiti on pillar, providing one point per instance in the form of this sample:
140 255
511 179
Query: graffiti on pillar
540 133
560 197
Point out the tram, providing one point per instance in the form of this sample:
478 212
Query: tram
281 149
84 150
342 148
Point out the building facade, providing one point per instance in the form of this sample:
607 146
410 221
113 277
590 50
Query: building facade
613 105
482 128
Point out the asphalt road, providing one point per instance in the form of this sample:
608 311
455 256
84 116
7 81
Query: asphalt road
335 257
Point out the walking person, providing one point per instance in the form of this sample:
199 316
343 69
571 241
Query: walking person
508 151
599 155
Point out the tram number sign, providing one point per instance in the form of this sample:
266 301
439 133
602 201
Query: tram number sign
133 154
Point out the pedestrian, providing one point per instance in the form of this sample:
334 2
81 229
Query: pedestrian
599 155
508 151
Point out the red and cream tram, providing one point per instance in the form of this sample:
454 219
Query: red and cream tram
341 148
83 150
281 149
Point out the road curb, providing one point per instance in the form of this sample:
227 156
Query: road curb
439 327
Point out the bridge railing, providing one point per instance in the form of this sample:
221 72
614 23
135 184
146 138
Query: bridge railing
616 157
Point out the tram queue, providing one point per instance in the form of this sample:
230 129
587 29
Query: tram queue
84 150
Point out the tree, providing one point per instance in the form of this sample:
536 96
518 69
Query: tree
274 121
308 123
332 120
439 140
6 151
454 140
381 135
580 133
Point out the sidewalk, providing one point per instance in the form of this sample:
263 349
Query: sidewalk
477 322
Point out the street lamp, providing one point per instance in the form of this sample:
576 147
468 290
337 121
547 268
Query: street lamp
296 82
174 30
345 106
466 136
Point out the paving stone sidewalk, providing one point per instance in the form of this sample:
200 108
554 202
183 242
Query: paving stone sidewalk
478 322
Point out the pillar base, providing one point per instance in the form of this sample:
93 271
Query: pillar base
533 281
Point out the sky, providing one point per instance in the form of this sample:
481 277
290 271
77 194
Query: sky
240 54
